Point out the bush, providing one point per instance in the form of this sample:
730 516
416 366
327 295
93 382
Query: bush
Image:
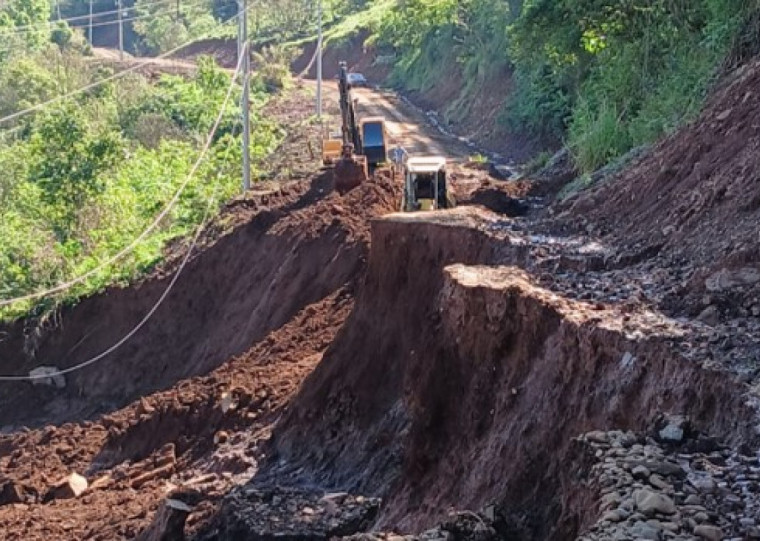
596 136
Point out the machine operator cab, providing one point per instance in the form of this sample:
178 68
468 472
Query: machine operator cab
425 186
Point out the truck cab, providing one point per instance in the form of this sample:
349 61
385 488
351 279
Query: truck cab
425 185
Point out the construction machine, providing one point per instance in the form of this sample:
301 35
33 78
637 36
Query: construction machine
363 143
425 185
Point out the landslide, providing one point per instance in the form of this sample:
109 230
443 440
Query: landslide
692 202
458 387
292 249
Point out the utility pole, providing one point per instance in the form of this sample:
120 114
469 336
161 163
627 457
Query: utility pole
319 61
90 29
245 101
121 31
58 8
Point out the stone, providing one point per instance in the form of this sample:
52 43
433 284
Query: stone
72 486
658 482
612 516
693 499
711 533
701 517
642 530
640 472
597 436
709 316
729 279
48 375
12 492
650 503
666 469
672 433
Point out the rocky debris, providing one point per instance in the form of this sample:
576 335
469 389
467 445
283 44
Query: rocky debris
169 522
73 486
460 526
48 375
711 495
256 513
158 466
13 492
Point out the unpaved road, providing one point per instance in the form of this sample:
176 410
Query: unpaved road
405 123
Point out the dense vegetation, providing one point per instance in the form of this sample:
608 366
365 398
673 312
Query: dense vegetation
85 176
605 75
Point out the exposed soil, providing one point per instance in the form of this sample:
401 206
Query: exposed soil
326 368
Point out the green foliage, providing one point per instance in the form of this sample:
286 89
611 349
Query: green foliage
22 25
597 135
163 30
605 74
83 179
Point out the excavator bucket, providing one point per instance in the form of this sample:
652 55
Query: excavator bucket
350 173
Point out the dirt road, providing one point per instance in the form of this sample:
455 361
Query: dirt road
406 124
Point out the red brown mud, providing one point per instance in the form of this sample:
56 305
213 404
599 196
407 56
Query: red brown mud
134 444
463 386
694 198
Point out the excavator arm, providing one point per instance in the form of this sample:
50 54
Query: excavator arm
351 170
350 126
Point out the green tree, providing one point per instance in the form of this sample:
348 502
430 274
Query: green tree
68 155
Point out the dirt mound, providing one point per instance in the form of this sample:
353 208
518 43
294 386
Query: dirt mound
223 50
695 198
277 289
353 51
306 245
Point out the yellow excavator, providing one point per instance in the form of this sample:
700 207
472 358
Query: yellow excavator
362 146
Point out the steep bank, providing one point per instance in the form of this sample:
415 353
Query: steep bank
464 386
296 248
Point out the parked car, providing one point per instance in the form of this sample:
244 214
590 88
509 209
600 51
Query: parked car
357 79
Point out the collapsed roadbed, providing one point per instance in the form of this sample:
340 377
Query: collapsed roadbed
463 386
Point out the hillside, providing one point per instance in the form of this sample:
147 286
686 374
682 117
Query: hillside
531 364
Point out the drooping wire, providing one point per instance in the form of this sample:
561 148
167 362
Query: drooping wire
102 355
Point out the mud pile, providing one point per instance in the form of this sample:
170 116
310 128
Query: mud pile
274 292
297 248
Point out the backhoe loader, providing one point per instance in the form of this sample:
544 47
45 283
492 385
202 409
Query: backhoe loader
425 185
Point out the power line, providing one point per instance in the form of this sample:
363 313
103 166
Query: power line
115 21
177 274
86 17
95 84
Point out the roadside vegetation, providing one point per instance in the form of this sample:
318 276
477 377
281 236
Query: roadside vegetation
84 177
604 76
